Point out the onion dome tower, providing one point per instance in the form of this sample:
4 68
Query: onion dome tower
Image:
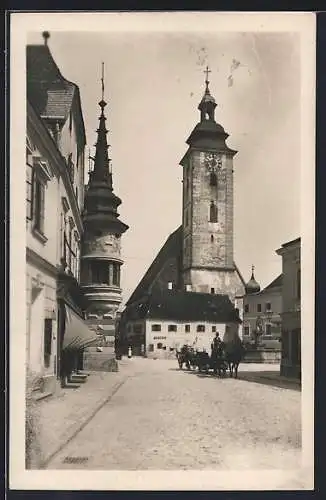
252 286
101 249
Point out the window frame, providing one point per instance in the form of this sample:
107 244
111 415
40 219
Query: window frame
213 213
172 328
200 328
38 204
155 329
47 341
268 329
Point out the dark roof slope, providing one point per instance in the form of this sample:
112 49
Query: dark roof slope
171 248
275 283
292 242
51 95
185 306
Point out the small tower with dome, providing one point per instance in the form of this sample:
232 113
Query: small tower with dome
252 286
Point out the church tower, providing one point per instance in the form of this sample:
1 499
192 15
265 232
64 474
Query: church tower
207 221
101 250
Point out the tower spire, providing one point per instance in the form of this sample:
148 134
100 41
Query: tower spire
102 162
207 105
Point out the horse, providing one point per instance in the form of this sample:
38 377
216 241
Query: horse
186 356
234 352
218 361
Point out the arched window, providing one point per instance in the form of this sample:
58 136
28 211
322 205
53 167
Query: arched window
212 212
213 179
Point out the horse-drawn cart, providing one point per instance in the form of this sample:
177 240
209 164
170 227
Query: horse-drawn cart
227 357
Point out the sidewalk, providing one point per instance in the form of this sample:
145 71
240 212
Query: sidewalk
270 377
62 416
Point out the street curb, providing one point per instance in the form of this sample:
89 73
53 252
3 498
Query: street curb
76 428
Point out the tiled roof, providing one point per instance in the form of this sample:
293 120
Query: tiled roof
50 94
59 102
171 248
185 306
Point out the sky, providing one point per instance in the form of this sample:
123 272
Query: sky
153 84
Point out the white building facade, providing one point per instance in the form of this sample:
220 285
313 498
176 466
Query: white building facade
55 142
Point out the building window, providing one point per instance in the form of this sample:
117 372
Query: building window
212 238
172 328
246 331
156 328
213 179
299 284
151 348
259 308
212 212
200 328
39 190
213 329
115 278
187 328
268 329
159 345
47 341
29 192
246 308
138 328
212 290
100 273
268 306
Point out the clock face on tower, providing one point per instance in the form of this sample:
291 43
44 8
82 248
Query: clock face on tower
213 162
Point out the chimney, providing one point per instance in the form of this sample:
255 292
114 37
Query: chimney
170 285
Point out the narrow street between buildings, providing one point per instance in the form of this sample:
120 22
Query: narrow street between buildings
164 418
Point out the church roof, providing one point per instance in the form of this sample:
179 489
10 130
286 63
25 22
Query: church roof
276 283
185 306
172 248
51 95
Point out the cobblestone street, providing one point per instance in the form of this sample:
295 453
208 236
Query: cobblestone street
164 418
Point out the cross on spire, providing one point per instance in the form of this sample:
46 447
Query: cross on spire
207 71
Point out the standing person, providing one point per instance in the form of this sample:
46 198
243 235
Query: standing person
217 343
129 352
